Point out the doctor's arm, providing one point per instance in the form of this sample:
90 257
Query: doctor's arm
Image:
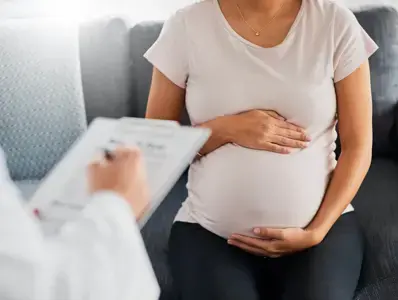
96 257
21 247
103 252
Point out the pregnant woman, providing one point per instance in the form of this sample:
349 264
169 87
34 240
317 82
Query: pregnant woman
268 212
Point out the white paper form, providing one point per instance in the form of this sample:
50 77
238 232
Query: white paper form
167 150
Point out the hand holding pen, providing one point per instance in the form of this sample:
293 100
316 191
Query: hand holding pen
121 171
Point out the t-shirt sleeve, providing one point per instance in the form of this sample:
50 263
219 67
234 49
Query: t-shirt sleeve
169 54
353 46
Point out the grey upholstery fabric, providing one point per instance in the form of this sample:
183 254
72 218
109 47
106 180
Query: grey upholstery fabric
41 104
377 201
142 36
106 68
376 205
386 289
156 236
27 188
382 25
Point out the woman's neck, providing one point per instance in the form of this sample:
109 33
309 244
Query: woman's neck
268 7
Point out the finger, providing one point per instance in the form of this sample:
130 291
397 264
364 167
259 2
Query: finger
243 246
267 246
272 147
275 115
284 141
127 152
95 165
276 247
279 246
287 125
269 233
291 134
119 153
254 242
254 250
91 171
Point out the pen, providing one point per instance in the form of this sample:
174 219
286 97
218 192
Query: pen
36 212
108 154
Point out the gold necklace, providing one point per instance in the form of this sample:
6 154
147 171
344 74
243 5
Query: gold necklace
258 32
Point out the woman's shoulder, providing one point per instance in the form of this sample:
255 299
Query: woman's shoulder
194 19
196 11
331 11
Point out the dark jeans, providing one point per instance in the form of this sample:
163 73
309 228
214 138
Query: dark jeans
205 267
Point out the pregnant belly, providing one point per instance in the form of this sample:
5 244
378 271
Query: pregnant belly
235 189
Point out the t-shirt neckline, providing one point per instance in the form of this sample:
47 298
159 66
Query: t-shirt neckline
241 38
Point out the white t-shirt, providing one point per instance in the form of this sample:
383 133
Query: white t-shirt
234 189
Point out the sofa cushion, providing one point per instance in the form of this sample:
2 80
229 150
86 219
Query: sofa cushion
382 25
106 68
41 103
376 205
142 36
386 289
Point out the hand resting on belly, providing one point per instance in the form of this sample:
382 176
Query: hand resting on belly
256 129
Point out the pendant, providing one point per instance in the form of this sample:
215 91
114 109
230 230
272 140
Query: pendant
257 33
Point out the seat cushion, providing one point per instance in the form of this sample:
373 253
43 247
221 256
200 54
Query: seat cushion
385 289
376 205
41 100
156 236
27 187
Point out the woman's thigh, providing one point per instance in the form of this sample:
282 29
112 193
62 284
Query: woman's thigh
329 271
204 266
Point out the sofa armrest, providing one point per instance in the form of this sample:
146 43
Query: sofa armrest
383 289
42 108
376 205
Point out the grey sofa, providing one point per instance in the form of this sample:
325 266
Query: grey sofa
377 201
116 81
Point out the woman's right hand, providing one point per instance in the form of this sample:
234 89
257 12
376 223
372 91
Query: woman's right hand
267 130
123 174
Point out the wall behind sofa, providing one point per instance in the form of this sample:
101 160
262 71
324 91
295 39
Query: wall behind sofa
136 10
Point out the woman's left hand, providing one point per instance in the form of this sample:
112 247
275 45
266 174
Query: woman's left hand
276 242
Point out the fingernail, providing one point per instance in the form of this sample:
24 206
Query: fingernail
229 242
257 230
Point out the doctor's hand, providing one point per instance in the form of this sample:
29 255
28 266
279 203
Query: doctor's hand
267 130
276 242
123 174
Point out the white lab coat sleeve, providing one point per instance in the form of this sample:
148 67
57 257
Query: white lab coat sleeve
100 256
21 246
103 254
